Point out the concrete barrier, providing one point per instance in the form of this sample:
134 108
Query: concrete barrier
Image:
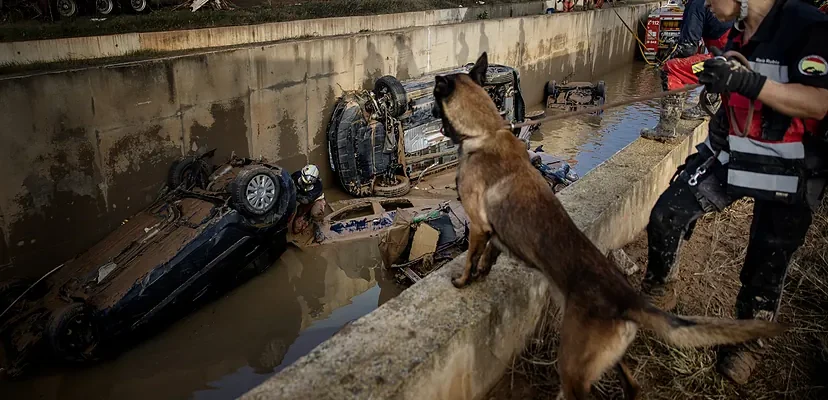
87 47
83 149
436 342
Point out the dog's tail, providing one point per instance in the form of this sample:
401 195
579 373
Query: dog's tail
693 331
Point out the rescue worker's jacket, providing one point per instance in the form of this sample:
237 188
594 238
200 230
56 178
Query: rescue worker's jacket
699 23
768 162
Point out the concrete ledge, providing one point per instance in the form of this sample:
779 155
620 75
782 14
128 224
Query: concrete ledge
436 342
612 203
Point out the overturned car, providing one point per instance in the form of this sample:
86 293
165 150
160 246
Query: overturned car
210 229
572 96
378 139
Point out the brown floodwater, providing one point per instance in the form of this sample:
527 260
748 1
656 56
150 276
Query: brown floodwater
239 340
587 141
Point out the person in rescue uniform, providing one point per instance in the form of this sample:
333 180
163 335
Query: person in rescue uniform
779 161
311 199
698 24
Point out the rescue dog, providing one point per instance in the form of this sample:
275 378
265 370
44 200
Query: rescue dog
512 209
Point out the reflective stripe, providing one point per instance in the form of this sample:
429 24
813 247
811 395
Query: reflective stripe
724 157
775 72
755 180
790 151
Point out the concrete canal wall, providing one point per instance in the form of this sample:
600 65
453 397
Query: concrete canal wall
83 149
191 39
437 342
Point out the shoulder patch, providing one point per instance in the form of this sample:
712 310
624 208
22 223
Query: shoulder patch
813 65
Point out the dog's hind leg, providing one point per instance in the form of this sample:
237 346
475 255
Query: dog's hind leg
477 245
628 383
589 347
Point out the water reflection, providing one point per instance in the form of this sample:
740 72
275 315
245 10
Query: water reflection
232 344
588 144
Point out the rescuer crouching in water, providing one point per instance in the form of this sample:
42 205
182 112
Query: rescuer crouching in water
698 24
310 210
775 153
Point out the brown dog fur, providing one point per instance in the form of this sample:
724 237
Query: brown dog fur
512 209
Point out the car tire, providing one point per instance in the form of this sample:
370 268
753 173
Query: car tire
551 89
255 190
104 7
390 86
601 93
601 89
67 8
137 6
72 332
190 171
10 290
399 189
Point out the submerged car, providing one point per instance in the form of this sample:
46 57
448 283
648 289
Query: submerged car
378 138
571 96
210 229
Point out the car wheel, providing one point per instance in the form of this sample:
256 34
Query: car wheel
73 333
389 88
601 94
67 8
189 171
401 186
10 290
601 89
255 190
551 89
138 6
104 7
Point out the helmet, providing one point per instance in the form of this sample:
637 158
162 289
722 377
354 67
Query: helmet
309 175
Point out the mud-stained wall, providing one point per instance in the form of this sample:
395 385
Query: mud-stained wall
84 149
190 39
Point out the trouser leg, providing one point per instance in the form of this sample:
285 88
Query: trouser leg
776 232
676 209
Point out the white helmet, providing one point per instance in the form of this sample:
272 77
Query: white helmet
310 174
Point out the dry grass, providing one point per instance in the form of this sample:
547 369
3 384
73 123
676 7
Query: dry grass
795 368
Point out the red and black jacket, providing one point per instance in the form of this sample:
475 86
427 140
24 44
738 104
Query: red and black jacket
769 161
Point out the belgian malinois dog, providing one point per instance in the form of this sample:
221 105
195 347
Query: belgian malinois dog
512 209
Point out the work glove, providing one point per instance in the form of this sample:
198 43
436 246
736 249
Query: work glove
723 75
718 129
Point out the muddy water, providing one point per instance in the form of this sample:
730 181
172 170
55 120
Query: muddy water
588 141
238 341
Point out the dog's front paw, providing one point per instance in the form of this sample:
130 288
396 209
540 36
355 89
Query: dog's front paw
459 282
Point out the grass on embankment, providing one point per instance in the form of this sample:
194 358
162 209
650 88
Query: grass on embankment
795 365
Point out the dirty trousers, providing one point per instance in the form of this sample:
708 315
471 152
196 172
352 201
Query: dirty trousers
306 213
776 231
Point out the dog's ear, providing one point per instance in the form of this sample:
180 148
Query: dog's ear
478 72
443 86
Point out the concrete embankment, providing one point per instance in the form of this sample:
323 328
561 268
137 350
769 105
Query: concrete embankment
84 149
87 47
437 342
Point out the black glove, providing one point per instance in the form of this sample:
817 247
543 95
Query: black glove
718 129
685 49
729 76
